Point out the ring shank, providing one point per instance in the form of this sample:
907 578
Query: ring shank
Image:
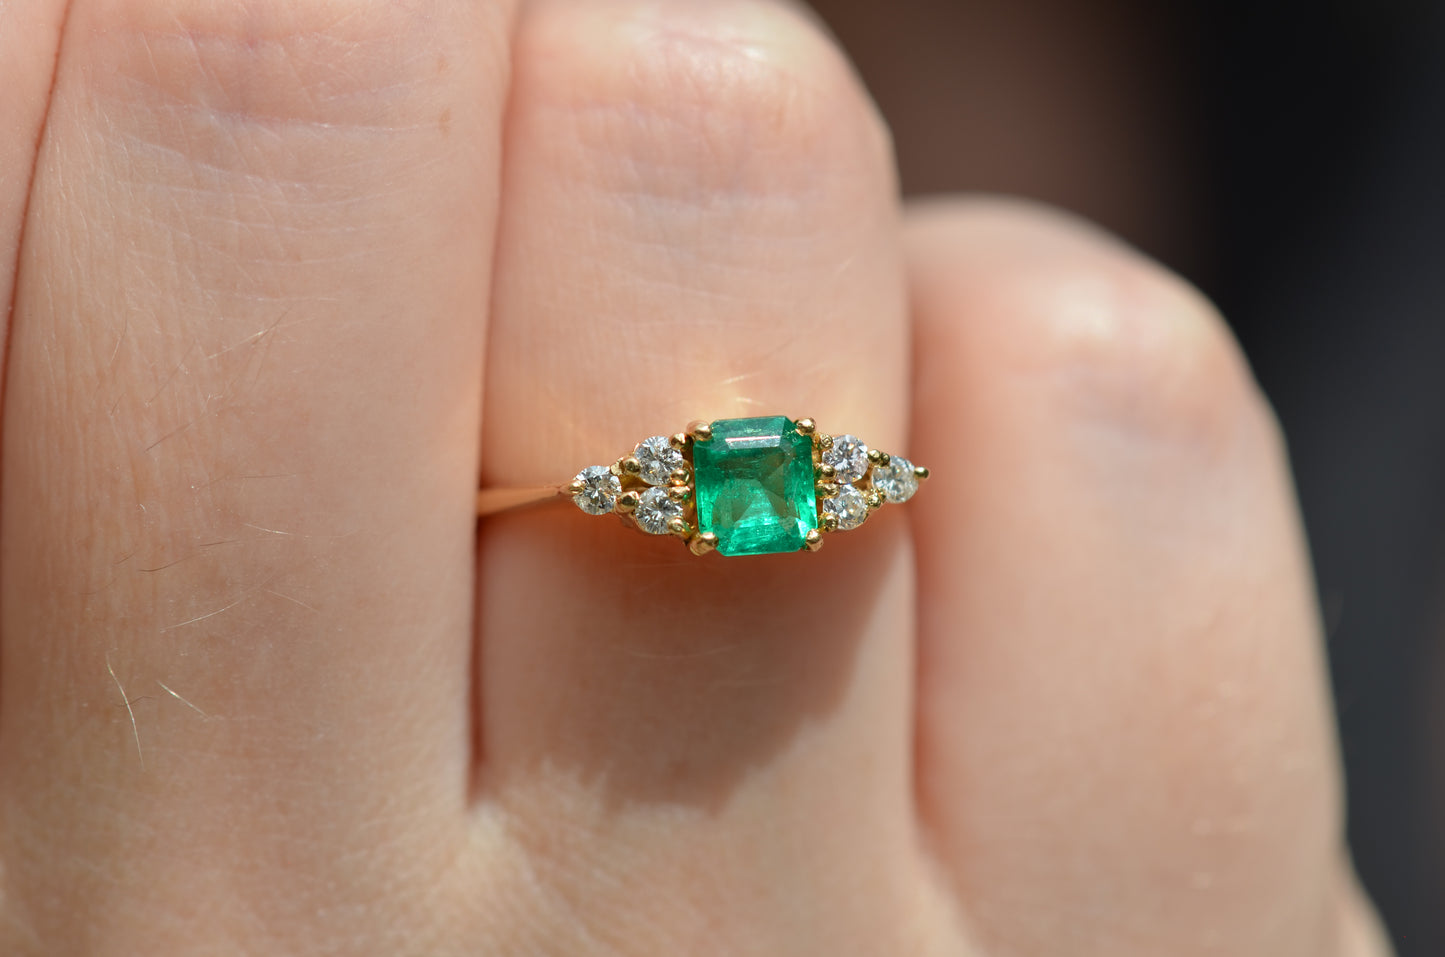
490 501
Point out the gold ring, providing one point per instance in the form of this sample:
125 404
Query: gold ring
735 486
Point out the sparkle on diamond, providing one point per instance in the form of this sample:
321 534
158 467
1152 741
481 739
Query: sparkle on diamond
600 489
896 479
659 459
849 506
848 456
656 509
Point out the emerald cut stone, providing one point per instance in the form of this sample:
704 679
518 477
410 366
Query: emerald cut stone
754 486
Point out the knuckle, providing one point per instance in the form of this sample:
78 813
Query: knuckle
686 104
1119 339
1148 351
270 63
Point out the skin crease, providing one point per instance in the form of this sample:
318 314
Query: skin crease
294 275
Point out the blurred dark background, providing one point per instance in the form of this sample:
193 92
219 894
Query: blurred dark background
1288 158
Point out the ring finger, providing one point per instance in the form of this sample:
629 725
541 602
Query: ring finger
699 222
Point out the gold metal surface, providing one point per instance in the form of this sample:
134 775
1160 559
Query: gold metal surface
490 501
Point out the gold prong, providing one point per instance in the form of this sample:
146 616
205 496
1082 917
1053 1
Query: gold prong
678 493
826 489
806 426
875 500
678 477
629 465
576 487
814 541
824 442
699 430
921 472
878 457
627 502
828 522
826 472
678 441
702 544
680 528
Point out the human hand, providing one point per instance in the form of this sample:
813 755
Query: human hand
292 275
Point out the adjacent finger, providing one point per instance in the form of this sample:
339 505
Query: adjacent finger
1125 744
240 458
699 223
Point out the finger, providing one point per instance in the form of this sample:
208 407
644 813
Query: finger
699 224
241 445
1123 717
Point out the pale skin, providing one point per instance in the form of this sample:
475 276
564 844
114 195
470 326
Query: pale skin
290 279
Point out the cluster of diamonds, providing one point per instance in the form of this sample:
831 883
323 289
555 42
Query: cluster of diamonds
855 480
654 486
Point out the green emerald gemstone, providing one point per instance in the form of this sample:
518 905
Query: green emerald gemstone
754 486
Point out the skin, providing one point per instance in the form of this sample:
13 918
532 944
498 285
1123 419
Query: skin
290 278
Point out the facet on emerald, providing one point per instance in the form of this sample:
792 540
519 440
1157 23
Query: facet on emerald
754 486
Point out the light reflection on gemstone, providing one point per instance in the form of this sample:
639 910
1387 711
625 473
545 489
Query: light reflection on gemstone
754 486
656 509
600 489
848 456
658 459
850 507
895 480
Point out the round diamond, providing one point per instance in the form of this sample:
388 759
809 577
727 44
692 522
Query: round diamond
656 510
896 479
600 489
848 456
659 459
848 505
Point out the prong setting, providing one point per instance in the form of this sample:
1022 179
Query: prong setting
702 543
